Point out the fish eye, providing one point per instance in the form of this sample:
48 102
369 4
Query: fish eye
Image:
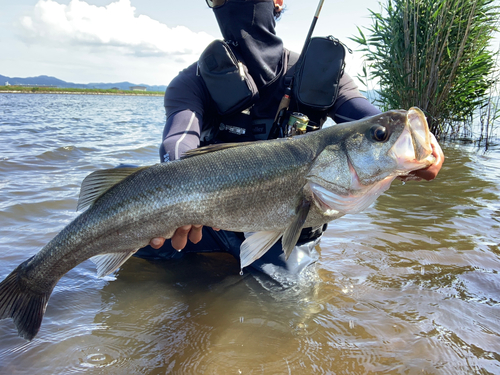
379 133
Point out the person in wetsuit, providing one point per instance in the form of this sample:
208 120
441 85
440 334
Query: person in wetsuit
248 27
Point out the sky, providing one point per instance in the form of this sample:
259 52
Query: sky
146 41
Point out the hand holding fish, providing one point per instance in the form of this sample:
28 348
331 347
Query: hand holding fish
180 237
432 170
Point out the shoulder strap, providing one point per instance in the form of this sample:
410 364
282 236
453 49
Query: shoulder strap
291 60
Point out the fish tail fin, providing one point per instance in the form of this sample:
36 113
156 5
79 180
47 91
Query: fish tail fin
24 306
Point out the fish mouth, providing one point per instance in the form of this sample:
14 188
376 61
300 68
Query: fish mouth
413 148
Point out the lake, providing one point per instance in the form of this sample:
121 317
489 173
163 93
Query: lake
409 286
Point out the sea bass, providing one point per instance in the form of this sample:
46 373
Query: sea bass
274 188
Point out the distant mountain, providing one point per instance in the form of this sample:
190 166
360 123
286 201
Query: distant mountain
55 82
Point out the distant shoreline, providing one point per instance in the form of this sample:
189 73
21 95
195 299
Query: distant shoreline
58 90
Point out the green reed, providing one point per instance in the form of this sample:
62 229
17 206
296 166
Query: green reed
436 55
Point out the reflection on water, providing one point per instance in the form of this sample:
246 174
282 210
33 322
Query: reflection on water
409 286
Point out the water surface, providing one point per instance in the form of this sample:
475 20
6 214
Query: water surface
410 286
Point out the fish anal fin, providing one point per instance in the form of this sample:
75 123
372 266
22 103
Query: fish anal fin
257 245
292 233
98 182
107 263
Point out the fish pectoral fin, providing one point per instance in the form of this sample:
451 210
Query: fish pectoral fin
107 263
292 233
98 182
257 245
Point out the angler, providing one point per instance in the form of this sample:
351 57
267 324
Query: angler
234 93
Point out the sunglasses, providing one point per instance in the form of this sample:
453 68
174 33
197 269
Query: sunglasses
218 3
215 3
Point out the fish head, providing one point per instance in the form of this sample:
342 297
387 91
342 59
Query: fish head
365 157
394 143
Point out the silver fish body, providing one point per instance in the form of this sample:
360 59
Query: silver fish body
274 188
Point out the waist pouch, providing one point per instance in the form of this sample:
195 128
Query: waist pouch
316 82
227 79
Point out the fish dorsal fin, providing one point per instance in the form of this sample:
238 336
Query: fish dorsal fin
257 245
107 263
213 148
98 182
292 233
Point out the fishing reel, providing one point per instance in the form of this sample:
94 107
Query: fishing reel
298 124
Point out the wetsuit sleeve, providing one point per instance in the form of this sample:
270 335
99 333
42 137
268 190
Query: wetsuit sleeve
355 109
181 134
186 99
351 104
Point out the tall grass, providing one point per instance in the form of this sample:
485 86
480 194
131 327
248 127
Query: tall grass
434 54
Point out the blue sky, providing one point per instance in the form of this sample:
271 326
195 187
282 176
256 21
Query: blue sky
145 41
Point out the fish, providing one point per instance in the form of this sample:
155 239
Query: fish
273 188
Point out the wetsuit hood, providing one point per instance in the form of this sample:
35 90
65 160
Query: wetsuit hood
249 27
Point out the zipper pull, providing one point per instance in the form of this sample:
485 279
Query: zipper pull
347 48
242 70
335 40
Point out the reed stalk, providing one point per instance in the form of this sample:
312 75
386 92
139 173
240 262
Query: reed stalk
434 54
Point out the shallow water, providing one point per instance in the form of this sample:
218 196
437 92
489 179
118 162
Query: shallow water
410 286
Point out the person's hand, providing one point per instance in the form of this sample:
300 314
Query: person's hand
180 237
431 171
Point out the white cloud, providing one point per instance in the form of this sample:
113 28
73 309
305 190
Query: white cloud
115 26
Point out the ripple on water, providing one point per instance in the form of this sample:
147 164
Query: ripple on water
65 154
96 360
250 343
